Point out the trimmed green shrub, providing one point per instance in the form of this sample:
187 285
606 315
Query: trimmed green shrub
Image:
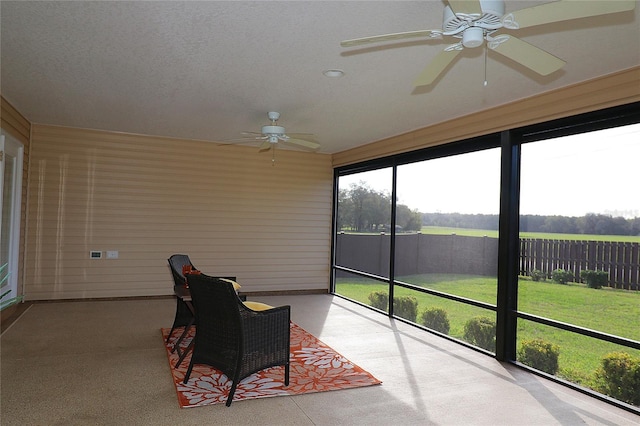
538 275
379 300
436 319
406 307
481 331
403 306
540 355
561 276
619 377
595 279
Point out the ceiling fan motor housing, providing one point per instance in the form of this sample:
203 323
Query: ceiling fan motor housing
273 133
473 35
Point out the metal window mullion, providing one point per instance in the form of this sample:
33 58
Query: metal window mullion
392 242
508 248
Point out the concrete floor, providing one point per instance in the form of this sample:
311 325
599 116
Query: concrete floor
103 362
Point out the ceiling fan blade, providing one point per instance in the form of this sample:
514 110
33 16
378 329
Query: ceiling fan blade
306 136
526 54
253 135
562 11
389 37
436 67
303 142
240 140
265 146
468 7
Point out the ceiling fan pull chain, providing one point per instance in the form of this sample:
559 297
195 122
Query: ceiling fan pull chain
485 67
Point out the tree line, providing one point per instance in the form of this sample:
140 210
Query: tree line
591 223
363 209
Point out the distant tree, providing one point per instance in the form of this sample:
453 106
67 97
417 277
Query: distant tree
618 226
363 209
357 196
587 223
345 212
409 220
600 224
379 207
485 221
531 223
634 226
559 225
414 223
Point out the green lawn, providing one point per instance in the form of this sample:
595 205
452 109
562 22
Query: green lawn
441 230
611 311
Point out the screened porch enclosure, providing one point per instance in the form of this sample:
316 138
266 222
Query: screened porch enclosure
527 242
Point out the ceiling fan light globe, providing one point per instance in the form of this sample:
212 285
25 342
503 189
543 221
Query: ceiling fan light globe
473 37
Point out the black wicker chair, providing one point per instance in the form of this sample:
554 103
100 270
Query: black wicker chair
184 316
233 338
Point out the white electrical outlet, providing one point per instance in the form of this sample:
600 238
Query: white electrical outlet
112 254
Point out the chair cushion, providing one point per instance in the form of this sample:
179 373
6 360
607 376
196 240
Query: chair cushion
236 286
257 306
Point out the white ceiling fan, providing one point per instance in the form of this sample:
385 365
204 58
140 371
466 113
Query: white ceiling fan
272 134
476 21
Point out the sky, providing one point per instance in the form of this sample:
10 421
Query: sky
596 172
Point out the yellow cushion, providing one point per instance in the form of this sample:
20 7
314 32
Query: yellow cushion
236 286
257 306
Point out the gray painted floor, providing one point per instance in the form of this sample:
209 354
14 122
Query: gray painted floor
103 362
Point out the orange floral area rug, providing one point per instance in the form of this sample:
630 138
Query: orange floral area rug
314 367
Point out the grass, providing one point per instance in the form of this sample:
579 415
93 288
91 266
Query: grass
606 310
441 230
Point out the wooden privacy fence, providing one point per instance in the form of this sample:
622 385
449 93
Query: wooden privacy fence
425 253
620 260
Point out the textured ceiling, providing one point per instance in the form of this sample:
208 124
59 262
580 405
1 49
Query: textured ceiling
210 70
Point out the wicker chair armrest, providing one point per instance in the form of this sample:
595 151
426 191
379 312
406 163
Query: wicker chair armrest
266 329
278 315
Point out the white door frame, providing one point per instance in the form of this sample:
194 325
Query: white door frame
11 150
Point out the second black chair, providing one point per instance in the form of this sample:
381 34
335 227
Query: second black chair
184 316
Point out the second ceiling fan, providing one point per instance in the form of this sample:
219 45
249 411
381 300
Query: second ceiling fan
271 134
474 22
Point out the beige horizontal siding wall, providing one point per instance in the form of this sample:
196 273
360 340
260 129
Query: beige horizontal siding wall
147 197
611 90
20 128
